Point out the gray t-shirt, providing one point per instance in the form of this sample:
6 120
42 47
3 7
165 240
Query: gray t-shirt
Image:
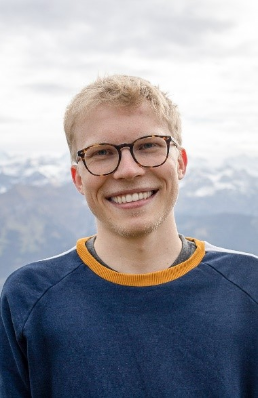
187 250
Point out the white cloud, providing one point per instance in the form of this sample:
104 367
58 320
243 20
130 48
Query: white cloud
203 53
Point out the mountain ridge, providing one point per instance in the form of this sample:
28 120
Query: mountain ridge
42 214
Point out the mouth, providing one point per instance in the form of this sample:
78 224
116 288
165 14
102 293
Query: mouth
134 197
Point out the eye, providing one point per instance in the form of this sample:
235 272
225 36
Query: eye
147 145
150 144
100 152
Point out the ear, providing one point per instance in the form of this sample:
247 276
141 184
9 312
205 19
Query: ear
182 163
77 180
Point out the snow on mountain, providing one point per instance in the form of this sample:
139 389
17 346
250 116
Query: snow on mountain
40 170
231 183
41 216
209 181
234 174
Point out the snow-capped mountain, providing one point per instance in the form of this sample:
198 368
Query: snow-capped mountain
239 174
231 186
37 170
42 214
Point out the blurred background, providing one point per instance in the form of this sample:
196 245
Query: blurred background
203 53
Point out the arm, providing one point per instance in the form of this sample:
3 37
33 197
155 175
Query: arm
14 376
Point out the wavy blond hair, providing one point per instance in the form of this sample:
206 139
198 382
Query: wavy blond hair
120 91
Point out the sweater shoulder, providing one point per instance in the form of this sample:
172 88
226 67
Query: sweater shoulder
25 286
239 268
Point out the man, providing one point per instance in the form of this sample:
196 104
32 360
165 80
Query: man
137 310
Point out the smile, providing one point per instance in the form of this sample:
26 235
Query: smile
132 197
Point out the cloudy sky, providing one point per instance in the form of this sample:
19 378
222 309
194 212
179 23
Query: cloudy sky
204 53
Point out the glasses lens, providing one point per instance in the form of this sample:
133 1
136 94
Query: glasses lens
150 151
101 159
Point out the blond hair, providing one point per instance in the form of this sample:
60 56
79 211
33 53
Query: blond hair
120 91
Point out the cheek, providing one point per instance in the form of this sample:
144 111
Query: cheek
92 190
90 199
170 171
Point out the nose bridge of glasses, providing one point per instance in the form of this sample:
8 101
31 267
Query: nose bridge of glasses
125 146
129 147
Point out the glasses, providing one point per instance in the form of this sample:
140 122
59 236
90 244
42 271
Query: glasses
148 151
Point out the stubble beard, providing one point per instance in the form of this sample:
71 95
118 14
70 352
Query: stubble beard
138 231
116 227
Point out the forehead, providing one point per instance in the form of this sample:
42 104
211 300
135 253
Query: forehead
117 124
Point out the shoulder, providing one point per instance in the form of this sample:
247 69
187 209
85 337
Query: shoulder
212 248
43 273
217 253
25 286
239 268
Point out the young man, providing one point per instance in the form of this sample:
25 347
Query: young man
137 310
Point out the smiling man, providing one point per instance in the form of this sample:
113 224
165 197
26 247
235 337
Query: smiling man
137 310
133 203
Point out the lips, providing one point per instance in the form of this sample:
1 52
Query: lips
134 197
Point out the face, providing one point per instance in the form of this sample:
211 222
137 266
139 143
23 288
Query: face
133 201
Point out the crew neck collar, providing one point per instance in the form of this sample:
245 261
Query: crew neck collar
148 279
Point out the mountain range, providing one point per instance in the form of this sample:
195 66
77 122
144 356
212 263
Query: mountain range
42 214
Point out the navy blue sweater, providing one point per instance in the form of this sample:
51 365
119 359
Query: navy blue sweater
72 328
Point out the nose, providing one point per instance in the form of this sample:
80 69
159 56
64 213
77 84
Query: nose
128 168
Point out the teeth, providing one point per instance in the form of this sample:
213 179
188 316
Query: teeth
131 198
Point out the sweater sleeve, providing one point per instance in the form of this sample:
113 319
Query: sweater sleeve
14 378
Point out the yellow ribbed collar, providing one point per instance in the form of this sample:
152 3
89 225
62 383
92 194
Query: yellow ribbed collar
149 279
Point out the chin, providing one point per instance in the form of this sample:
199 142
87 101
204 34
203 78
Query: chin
136 231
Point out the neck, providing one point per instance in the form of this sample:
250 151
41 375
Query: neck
142 254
